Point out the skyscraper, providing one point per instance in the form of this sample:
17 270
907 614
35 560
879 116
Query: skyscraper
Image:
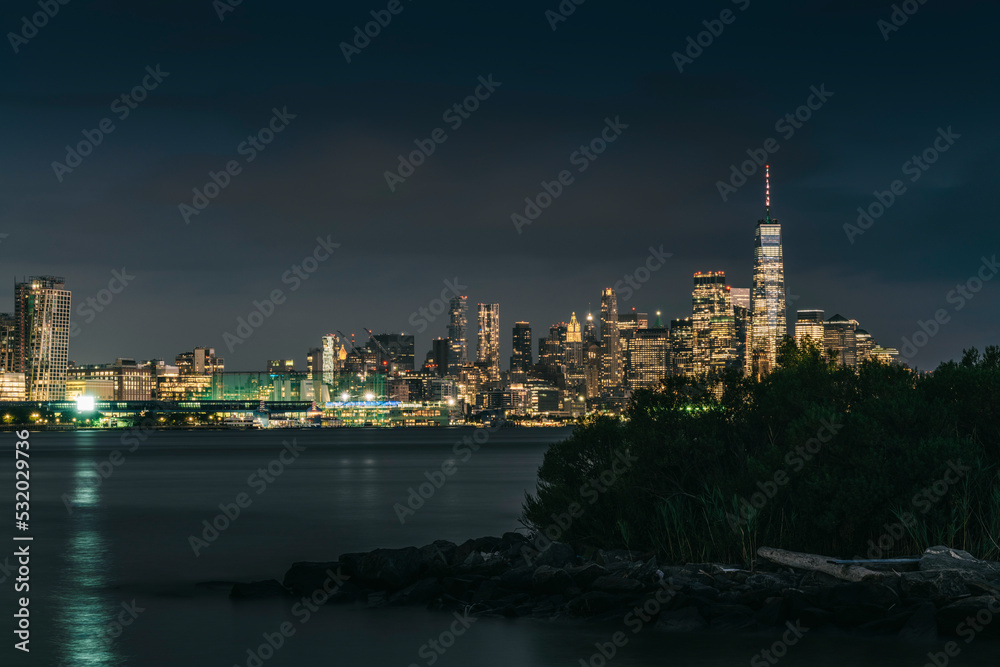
520 358
41 336
488 342
712 323
7 336
331 362
840 340
740 298
611 367
589 332
573 349
767 317
440 350
682 347
458 311
809 327
647 357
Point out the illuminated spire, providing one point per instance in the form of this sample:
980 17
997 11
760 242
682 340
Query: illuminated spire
767 193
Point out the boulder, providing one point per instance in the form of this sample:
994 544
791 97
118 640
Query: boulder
255 590
940 558
687 619
922 625
937 586
593 602
304 578
519 578
557 554
422 591
619 585
584 575
547 579
438 555
388 569
970 615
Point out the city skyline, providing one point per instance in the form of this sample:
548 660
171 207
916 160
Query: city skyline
868 122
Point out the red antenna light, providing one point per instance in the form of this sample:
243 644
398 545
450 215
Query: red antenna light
767 191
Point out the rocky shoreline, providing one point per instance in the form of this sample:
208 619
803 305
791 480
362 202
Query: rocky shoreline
947 592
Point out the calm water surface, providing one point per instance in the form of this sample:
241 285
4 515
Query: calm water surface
99 547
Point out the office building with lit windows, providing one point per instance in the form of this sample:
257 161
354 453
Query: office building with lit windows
647 355
611 356
809 326
682 347
458 313
840 340
521 357
41 336
713 327
768 320
488 342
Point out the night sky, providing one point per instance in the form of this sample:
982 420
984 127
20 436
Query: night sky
655 185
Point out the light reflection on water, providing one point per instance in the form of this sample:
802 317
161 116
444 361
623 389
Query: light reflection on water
84 610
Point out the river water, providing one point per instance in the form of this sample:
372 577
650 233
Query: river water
118 548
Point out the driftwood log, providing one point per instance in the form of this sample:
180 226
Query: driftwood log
814 563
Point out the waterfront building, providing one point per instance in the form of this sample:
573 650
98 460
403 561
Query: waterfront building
12 387
7 336
127 381
41 336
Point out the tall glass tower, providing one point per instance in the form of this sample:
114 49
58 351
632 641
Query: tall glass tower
488 343
458 312
611 356
767 311
41 348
